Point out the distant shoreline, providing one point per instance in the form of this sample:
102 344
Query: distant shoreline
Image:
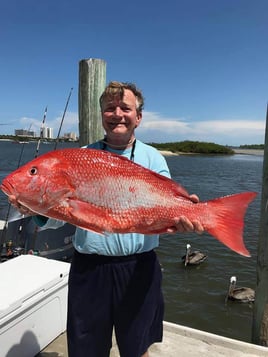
170 153
249 151
237 151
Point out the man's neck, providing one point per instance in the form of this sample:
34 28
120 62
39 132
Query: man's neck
119 144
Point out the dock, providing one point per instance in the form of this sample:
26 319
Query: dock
178 341
33 317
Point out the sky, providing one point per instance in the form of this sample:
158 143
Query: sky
202 65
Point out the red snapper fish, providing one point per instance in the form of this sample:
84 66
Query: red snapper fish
104 192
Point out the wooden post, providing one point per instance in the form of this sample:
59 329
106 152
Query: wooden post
260 310
92 80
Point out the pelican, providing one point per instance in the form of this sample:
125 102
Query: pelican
193 258
241 294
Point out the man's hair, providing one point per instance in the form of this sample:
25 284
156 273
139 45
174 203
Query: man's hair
116 89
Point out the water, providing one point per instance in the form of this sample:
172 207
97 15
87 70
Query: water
195 296
13 155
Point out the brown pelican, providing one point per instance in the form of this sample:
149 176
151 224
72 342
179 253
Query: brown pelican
193 258
241 294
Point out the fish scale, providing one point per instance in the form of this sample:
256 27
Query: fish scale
104 192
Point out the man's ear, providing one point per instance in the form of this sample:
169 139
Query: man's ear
138 119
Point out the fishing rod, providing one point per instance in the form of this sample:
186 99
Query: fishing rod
36 154
19 163
41 133
62 119
3 234
42 128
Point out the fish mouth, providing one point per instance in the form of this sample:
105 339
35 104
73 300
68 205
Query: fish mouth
7 188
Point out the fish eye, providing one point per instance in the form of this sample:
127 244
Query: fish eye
33 171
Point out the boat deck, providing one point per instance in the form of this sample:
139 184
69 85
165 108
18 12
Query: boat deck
179 340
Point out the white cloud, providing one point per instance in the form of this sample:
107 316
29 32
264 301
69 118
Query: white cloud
156 128
28 124
70 124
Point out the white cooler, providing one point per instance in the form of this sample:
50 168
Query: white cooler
33 304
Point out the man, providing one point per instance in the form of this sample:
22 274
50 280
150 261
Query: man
115 280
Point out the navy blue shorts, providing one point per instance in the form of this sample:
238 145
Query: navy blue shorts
123 293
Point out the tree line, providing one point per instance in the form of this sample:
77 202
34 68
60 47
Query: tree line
194 147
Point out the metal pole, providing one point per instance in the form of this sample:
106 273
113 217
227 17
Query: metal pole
260 310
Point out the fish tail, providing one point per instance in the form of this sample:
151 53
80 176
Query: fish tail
227 220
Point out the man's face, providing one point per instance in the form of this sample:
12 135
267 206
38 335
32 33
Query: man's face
120 116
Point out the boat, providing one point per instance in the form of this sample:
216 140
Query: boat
23 236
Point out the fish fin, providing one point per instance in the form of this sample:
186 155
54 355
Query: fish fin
177 188
15 215
89 217
227 221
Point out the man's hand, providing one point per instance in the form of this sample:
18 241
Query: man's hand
183 224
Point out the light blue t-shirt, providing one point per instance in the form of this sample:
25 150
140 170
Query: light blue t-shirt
121 244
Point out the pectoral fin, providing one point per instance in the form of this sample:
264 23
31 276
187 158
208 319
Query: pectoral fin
89 217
